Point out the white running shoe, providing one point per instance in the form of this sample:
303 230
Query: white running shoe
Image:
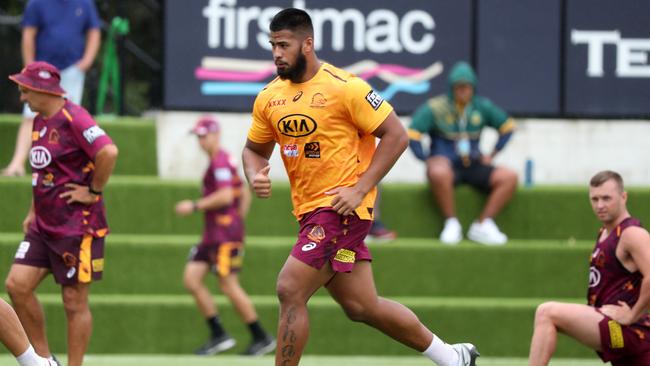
467 354
487 233
216 345
53 361
452 233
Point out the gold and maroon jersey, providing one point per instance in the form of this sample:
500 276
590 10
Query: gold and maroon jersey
224 224
609 281
324 129
63 150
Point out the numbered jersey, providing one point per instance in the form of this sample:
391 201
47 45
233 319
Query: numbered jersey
324 129
63 150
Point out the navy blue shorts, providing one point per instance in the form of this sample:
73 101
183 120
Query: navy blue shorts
476 174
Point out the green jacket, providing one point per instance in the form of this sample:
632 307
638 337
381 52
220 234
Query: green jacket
440 118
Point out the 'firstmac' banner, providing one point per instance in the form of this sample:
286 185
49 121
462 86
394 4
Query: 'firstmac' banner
218 56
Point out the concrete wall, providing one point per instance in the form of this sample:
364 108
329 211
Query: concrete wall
562 151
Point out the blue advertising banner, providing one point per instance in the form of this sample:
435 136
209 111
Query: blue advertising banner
518 54
607 58
217 54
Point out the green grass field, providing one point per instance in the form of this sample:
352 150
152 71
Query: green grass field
175 360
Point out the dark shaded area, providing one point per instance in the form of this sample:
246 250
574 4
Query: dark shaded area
140 52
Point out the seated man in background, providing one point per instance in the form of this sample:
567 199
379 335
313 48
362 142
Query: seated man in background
454 122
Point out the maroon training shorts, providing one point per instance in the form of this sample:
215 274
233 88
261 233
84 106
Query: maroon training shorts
624 345
77 259
223 258
327 236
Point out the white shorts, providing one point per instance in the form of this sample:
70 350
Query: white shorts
72 81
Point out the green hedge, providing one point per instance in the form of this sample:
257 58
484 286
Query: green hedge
404 268
542 212
127 324
144 205
135 137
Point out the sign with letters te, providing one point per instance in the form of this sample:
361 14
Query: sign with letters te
218 56
607 63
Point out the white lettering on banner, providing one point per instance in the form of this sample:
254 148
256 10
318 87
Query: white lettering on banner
381 31
632 58
631 53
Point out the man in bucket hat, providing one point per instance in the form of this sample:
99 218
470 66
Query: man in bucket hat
71 159
224 203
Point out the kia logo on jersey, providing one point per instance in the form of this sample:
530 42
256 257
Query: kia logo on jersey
297 125
39 157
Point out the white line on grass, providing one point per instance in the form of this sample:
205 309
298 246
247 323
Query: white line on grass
176 360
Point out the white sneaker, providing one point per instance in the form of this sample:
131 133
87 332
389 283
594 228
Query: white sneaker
53 361
467 354
487 233
452 233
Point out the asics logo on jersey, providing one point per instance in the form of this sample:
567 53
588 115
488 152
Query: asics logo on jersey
39 157
296 125
309 246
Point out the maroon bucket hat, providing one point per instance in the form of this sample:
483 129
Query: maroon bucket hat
41 77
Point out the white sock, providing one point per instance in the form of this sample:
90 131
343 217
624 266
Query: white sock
30 358
441 353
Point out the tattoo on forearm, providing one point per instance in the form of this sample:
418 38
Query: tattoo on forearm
289 337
